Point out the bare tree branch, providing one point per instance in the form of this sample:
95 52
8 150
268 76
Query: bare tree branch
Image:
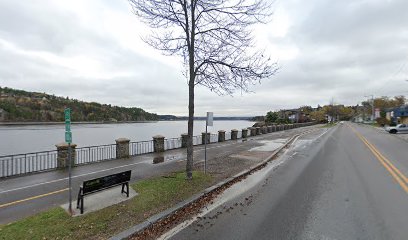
215 40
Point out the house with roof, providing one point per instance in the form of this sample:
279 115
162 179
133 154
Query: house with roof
398 114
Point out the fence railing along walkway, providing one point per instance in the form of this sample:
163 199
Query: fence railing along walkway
18 164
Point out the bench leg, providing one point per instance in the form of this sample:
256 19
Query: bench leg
79 197
82 204
127 188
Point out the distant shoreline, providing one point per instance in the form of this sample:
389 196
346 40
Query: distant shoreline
61 123
122 122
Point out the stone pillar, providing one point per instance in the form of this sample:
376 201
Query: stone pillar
253 131
234 134
122 148
264 130
258 130
244 133
184 138
203 137
62 155
158 143
221 136
269 129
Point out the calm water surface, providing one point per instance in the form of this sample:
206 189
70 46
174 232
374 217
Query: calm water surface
34 138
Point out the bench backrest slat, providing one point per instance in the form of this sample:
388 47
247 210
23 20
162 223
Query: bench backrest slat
105 182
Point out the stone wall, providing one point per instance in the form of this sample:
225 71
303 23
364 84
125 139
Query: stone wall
62 155
158 143
122 148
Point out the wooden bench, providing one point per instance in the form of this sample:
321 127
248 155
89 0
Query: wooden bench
103 183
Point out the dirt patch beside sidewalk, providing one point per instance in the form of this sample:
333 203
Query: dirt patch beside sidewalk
223 167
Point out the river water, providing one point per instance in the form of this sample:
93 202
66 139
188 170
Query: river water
35 138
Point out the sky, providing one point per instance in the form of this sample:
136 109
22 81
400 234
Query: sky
92 51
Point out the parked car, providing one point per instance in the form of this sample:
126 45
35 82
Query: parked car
400 128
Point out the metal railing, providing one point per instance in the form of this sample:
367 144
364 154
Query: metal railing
227 136
197 140
172 143
27 163
48 160
213 138
138 148
92 154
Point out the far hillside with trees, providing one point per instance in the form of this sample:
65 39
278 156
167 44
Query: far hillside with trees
18 105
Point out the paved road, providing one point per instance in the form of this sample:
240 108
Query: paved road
24 196
343 185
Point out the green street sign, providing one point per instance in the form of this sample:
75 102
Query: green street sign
68 134
67 127
67 113
68 137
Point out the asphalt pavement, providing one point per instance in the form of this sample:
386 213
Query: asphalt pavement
349 183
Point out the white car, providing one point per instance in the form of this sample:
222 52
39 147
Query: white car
400 128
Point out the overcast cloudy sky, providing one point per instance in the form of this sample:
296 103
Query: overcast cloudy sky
91 50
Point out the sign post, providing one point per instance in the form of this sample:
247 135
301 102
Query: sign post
377 113
208 122
68 139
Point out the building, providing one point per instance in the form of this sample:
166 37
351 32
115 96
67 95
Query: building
294 115
398 114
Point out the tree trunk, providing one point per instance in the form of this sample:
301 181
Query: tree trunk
191 83
189 165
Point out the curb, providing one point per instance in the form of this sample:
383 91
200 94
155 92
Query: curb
155 218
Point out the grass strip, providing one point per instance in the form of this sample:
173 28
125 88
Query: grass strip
328 125
155 195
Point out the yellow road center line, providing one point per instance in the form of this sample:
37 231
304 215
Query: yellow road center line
395 173
32 198
373 148
401 175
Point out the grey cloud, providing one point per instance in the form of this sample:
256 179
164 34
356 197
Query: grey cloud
347 49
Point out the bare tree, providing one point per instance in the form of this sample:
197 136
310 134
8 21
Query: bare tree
215 40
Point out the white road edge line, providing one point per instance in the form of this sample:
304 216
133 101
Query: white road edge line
90 173
62 179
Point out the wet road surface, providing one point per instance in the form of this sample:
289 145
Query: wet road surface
349 183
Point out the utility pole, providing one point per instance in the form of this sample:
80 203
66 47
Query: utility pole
372 106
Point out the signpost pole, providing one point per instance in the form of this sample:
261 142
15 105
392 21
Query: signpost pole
68 139
205 148
69 178
208 122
